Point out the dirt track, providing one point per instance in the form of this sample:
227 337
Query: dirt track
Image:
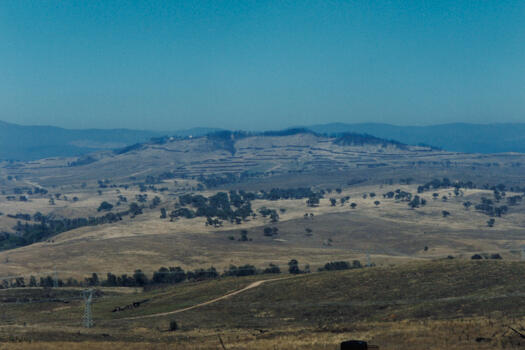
225 296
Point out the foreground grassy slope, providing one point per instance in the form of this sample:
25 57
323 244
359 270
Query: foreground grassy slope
403 306
432 290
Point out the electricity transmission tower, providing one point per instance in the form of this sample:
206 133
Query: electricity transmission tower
88 298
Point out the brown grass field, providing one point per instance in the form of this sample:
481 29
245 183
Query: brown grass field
433 305
423 293
336 233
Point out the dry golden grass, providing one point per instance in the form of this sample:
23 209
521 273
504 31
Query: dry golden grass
428 305
339 233
465 334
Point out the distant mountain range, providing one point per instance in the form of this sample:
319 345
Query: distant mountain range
458 137
19 142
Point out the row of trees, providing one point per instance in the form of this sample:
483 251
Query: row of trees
444 183
171 275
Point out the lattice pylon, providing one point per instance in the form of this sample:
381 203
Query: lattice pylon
88 298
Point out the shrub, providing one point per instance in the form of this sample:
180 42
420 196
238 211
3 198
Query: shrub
335 265
272 269
105 206
293 267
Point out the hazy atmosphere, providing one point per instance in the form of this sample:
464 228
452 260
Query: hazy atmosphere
286 175
260 65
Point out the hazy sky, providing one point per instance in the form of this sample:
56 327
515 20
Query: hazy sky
260 64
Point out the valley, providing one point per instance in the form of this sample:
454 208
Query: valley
214 204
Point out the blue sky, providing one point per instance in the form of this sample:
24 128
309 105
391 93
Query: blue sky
260 64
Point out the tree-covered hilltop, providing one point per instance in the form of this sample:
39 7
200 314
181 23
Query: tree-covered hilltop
354 139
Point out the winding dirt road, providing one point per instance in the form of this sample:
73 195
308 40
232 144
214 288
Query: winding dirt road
225 296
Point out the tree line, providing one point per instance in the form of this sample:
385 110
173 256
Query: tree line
170 275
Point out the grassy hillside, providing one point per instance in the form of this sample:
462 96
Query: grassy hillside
438 304
332 233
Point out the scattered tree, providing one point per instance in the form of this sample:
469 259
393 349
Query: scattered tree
293 267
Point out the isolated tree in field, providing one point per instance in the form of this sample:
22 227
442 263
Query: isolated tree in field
415 202
244 236
173 326
141 198
135 209
445 213
333 202
435 195
312 201
155 201
105 206
353 205
491 222
467 204
377 203
163 213
293 267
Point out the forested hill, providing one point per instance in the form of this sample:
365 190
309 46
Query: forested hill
458 137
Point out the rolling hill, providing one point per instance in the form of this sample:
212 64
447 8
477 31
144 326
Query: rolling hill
458 137
25 143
